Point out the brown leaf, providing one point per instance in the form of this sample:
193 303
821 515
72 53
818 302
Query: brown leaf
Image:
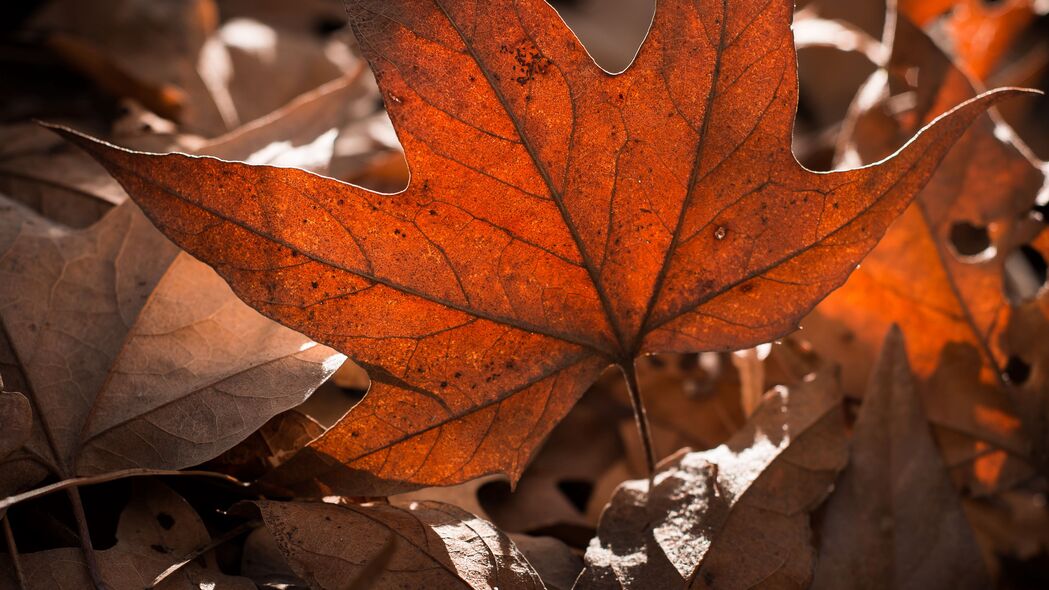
16 416
433 546
1027 366
733 517
179 61
61 184
894 520
132 353
157 529
554 561
559 220
269 446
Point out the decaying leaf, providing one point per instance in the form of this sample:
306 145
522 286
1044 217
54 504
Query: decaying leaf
733 517
157 529
421 545
132 353
1028 363
559 220
941 271
894 520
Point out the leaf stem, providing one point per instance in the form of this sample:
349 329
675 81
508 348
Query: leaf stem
111 476
12 551
85 539
640 417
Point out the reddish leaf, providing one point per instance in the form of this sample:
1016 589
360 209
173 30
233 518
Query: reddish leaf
559 220
981 33
940 271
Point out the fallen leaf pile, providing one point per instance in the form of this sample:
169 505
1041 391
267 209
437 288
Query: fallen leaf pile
418 294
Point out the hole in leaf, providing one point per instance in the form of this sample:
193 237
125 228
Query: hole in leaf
165 520
578 492
971 242
1016 371
1024 275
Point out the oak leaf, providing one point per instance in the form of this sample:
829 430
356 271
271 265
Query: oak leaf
559 220
941 272
894 520
736 516
419 545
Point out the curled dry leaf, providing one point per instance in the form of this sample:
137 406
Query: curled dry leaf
419 545
132 353
559 220
157 529
940 272
181 62
736 516
894 520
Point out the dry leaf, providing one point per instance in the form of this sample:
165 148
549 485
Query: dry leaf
559 220
132 353
1028 363
979 33
733 517
36 169
554 561
894 520
16 416
269 446
178 60
433 546
157 529
940 272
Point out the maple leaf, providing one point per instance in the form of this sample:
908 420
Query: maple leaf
894 520
559 220
940 272
132 353
419 545
733 516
